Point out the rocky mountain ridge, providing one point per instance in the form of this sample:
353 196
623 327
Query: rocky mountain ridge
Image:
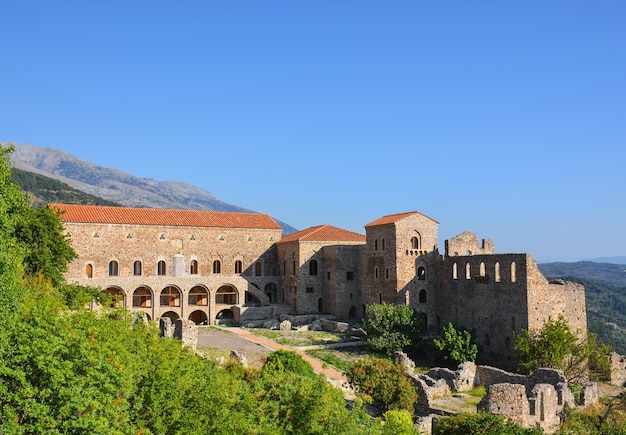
119 186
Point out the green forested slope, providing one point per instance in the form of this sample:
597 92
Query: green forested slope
43 190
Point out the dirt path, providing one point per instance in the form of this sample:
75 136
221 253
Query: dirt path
257 347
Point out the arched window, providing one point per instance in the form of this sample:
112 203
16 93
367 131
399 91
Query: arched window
258 270
142 297
313 267
198 296
468 271
422 297
170 297
482 269
238 266
415 243
380 298
421 273
320 305
113 268
497 272
455 273
226 295
386 273
89 271
513 272
193 267
217 266
161 269
375 272
137 268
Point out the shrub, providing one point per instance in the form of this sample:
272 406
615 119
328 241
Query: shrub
287 361
480 424
385 382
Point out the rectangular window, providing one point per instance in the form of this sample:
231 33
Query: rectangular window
309 289
350 276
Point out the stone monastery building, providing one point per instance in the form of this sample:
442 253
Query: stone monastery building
206 266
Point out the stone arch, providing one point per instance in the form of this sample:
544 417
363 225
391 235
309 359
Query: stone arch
89 270
422 298
424 318
513 272
455 273
199 317
227 295
468 271
320 305
416 241
258 269
118 297
142 297
497 272
171 315
198 295
421 273
271 291
482 270
352 312
170 296
225 316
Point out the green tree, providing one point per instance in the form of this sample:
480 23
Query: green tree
286 361
456 344
392 327
558 347
386 383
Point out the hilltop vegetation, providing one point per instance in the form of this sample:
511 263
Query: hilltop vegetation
43 190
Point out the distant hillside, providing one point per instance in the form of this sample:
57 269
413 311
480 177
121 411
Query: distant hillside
44 190
605 291
607 273
118 186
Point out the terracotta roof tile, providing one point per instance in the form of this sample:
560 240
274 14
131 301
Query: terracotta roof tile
152 216
324 233
393 218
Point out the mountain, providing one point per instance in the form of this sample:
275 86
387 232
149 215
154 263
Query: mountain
43 190
118 186
614 260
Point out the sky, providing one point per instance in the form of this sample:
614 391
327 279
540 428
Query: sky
504 118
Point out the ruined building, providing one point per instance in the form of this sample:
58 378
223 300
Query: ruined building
207 266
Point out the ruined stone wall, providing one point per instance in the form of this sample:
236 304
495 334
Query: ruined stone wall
487 294
549 300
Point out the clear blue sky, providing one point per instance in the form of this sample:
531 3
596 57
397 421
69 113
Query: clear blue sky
505 118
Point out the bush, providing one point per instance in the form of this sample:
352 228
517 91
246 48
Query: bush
480 424
287 361
385 382
391 328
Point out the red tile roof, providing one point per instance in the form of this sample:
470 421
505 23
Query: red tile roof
152 216
393 218
324 233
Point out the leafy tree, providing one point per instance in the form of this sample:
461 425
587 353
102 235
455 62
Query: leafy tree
558 347
456 344
480 424
392 327
386 383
